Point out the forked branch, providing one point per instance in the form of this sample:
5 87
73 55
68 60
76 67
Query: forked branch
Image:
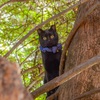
66 76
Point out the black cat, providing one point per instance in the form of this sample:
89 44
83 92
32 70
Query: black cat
51 53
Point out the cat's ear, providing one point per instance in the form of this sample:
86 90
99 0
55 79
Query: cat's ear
40 31
53 27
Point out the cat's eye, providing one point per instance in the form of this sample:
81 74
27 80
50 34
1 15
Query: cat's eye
44 38
52 36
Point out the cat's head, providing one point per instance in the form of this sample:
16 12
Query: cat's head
49 37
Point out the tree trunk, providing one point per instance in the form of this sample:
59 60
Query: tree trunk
85 45
11 87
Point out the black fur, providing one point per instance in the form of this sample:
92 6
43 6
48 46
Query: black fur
50 60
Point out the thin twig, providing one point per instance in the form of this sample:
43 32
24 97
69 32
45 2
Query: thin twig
30 69
1 6
66 76
35 56
29 56
11 1
34 82
40 25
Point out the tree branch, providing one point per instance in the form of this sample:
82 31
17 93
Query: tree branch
71 35
54 95
30 69
29 56
40 25
11 1
19 0
34 82
1 6
88 93
66 76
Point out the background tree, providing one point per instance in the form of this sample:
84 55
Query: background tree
19 22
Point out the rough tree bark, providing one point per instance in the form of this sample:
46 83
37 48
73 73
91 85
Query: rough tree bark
85 45
11 87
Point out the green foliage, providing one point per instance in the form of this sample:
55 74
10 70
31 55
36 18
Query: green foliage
17 19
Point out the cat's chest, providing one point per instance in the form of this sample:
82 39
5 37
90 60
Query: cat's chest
50 57
51 61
